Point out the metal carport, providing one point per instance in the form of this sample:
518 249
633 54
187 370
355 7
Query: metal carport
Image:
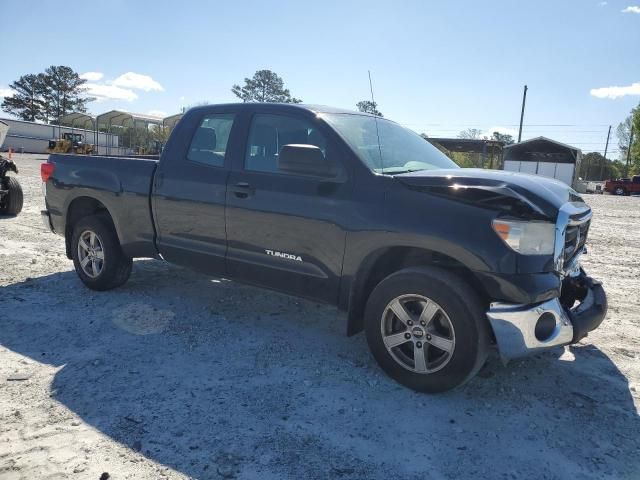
120 119
171 121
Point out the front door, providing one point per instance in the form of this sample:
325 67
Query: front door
286 231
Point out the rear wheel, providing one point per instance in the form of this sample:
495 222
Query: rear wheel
97 256
427 329
620 191
13 201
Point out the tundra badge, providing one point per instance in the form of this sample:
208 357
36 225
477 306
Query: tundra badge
288 256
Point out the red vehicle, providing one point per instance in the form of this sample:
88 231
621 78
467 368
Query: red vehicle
623 186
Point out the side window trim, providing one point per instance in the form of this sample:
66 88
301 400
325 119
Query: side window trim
225 159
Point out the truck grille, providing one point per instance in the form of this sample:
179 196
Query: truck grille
575 238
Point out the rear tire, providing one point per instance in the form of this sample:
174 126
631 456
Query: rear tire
14 200
443 339
97 255
620 191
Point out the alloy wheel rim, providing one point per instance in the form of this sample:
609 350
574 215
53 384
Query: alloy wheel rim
418 333
90 253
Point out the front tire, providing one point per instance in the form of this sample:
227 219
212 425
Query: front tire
427 329
620 191
14 200
97 255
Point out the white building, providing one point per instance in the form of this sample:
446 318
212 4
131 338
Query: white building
32 137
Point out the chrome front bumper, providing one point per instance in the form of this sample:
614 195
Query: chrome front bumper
519 329
514 327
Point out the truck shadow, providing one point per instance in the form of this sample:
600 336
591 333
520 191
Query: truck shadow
205 376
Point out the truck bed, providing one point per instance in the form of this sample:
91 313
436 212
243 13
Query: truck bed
122 184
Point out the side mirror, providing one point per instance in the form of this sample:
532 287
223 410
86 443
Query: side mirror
302 159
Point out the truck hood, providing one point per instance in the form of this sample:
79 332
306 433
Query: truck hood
518 193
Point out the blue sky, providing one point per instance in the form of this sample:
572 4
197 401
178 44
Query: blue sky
438 66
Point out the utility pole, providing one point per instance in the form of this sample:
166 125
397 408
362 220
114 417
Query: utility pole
524 100
606 147
626 169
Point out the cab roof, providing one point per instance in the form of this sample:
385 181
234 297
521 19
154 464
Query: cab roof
256 106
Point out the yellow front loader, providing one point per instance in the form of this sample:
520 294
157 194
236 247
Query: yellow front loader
70 142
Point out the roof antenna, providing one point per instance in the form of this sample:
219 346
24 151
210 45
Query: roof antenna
375 119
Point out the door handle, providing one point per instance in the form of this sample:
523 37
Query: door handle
242 190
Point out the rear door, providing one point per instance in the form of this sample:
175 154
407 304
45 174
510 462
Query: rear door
287 231
190 190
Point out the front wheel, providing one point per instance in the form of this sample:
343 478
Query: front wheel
620 191
427 329
97 256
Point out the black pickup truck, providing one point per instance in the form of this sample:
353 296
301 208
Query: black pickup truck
437 264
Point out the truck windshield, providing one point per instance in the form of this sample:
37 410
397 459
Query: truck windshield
399 150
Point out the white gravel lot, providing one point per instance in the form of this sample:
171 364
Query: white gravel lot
178 375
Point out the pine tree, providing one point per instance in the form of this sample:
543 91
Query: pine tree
27 101
265 86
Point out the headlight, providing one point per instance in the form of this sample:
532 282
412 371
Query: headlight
527 238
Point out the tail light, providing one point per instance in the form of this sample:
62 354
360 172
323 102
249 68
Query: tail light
46 170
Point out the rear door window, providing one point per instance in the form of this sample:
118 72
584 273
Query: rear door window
209 142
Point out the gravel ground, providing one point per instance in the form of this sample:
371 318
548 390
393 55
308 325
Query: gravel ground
178 375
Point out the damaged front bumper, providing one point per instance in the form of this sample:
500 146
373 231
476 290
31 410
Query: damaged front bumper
524 329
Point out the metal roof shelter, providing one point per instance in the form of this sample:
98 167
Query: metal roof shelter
544 156
78 119
171 121
484 147
120 119
542 149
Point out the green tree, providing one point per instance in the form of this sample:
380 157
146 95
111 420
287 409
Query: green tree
594 166
27 101
64 92
503 137
265 86
634 157
632 122
623 132
368 106
160 133
47 96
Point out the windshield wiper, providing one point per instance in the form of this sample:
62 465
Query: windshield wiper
399 171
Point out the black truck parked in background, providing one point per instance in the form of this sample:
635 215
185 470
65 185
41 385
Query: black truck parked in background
436 263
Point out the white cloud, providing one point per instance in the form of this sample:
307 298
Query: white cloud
92 76
632 9
6 92
109 92
122 88
602 4
615 92
157 113
137 81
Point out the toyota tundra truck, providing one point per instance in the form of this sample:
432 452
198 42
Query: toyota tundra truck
437 264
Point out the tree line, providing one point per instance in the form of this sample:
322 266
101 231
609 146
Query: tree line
47 96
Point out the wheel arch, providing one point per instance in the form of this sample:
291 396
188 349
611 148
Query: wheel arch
78 208
383 262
